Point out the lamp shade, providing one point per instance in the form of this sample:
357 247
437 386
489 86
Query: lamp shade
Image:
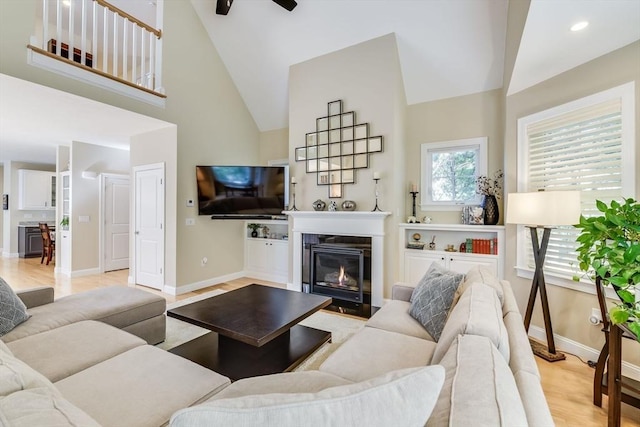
544 208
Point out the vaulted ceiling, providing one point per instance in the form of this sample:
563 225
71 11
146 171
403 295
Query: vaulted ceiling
446 48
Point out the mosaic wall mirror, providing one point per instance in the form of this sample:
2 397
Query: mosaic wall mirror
337 148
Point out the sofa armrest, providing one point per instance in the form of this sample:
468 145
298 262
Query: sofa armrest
401 292
36 296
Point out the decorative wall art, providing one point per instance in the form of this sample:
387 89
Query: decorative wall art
338 147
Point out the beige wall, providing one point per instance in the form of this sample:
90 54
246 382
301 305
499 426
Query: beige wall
274 145
462 117
569 309
85 200
367 78
214 125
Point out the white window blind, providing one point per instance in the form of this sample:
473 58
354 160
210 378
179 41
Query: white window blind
577 148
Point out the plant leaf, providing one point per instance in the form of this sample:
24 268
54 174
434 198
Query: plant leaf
635 328
618 315
602 207
626 296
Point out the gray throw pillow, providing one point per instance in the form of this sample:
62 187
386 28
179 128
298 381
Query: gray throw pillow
432 298
12 309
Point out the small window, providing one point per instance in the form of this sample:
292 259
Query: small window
449 172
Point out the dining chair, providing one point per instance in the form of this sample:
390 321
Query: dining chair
48 244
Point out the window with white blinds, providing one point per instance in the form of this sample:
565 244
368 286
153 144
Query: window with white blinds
585 146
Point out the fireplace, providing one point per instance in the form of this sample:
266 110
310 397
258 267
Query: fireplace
339 267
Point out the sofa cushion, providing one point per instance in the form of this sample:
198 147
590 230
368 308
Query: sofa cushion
141 387
413 391
12 309
478 312
118 306
479 274
520 353
288 382
432 298
394 316
15 375
479 389
64 351
42 406
372 352
533 399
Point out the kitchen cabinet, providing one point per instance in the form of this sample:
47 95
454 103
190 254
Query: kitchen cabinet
30 241
36 190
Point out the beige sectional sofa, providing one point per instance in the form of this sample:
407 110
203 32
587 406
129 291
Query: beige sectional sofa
490 375
73 364
481 372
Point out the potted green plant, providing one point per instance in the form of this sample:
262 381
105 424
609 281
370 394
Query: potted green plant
610 249
65 223
254 229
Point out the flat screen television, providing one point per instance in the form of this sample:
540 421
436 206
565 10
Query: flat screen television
242 192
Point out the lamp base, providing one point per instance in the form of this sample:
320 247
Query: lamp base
541 350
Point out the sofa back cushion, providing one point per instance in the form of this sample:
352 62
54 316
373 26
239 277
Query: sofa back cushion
413 392
479 274
479 389
15 375
478 312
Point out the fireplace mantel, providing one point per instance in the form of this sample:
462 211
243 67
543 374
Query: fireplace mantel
357 223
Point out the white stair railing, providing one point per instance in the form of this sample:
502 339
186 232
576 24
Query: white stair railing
98 36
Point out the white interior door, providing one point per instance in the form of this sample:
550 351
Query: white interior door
149 225
116 223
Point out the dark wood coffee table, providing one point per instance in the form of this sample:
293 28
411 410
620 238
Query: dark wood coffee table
255 330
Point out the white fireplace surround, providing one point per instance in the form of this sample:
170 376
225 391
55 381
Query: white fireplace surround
363 224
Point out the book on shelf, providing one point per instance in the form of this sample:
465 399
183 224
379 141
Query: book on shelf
482 246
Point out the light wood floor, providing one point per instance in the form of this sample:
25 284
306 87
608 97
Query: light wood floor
567 384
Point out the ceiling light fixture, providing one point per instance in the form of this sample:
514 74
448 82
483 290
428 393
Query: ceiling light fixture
66 2
579 26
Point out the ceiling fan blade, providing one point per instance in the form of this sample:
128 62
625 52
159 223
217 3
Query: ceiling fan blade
287 4
223 6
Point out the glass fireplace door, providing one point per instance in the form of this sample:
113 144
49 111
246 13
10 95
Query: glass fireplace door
337 272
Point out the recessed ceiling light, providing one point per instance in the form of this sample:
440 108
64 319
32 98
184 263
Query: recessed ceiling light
66 2
579 26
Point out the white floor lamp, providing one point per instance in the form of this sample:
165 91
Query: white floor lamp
542 210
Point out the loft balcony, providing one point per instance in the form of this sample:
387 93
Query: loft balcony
102 44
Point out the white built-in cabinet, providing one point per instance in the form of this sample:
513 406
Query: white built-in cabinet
36 190
414 263
63 236
266 256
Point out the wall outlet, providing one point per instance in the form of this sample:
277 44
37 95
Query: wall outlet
204 261
190 221
190 203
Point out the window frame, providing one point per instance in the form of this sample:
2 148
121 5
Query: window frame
426 198
626 94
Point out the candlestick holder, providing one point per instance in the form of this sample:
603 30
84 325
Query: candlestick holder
293 197
376 208
413 211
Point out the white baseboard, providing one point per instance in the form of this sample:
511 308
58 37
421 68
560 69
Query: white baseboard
87 272
130 280
173 290
10 254
586 353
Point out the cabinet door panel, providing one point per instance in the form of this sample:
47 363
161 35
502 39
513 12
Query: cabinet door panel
416 265
463 265
280 258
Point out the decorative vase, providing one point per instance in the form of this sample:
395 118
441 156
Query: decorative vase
348 205
319 205
254 233
491 213
333 206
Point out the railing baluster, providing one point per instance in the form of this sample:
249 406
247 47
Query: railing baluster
151 62
142 57
45 23
115 44
105 40
94 35
83 34
134 52
71 30
124 48
58 27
